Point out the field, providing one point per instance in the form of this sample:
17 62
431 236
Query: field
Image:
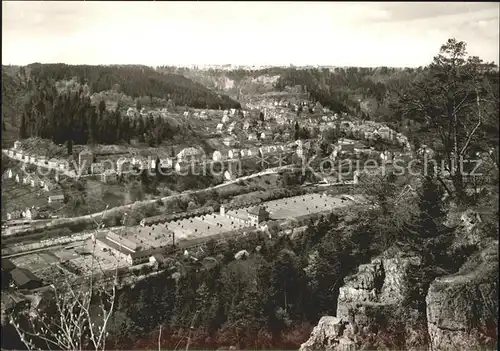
75 259
298 206
105 194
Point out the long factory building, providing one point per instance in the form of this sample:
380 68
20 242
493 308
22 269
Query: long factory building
138 244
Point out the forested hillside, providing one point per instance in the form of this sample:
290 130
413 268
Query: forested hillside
136 81
62 102
71 117
366 92
13 94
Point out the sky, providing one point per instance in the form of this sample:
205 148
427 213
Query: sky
366 34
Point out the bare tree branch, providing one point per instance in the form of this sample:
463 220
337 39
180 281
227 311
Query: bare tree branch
75 326
475 127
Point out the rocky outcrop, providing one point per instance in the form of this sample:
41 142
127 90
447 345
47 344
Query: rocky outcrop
375 286
328 335
469 232
462 308
368 298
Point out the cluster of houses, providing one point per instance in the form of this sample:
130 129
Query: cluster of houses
133 112
19 154
38 183
32 180
349 148
27 213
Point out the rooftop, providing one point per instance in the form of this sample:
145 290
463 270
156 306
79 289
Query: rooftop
23 276
7 265
257 210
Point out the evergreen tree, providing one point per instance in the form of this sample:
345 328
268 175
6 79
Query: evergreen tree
296 131
431 209
22 127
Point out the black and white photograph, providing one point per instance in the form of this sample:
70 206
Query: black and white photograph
250 175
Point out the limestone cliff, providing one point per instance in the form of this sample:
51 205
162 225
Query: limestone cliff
462 308
367 301
373 310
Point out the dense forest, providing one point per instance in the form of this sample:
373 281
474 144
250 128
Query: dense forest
70 117
135 81
260 302
36 108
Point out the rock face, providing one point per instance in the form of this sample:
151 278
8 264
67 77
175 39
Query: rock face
377 285
468 232
368 296
327 335
462 308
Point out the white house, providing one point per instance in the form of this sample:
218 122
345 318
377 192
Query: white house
30 213
16 214
385 132
244 153
246 125
189 153
10 174
17 145
220 126
53 163
131 112
26 179
234 153
225 119
34 181
49 186
229 176
56 199
252 136
18 178
263 136
219 155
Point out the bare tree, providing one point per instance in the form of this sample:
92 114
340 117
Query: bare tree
80 310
